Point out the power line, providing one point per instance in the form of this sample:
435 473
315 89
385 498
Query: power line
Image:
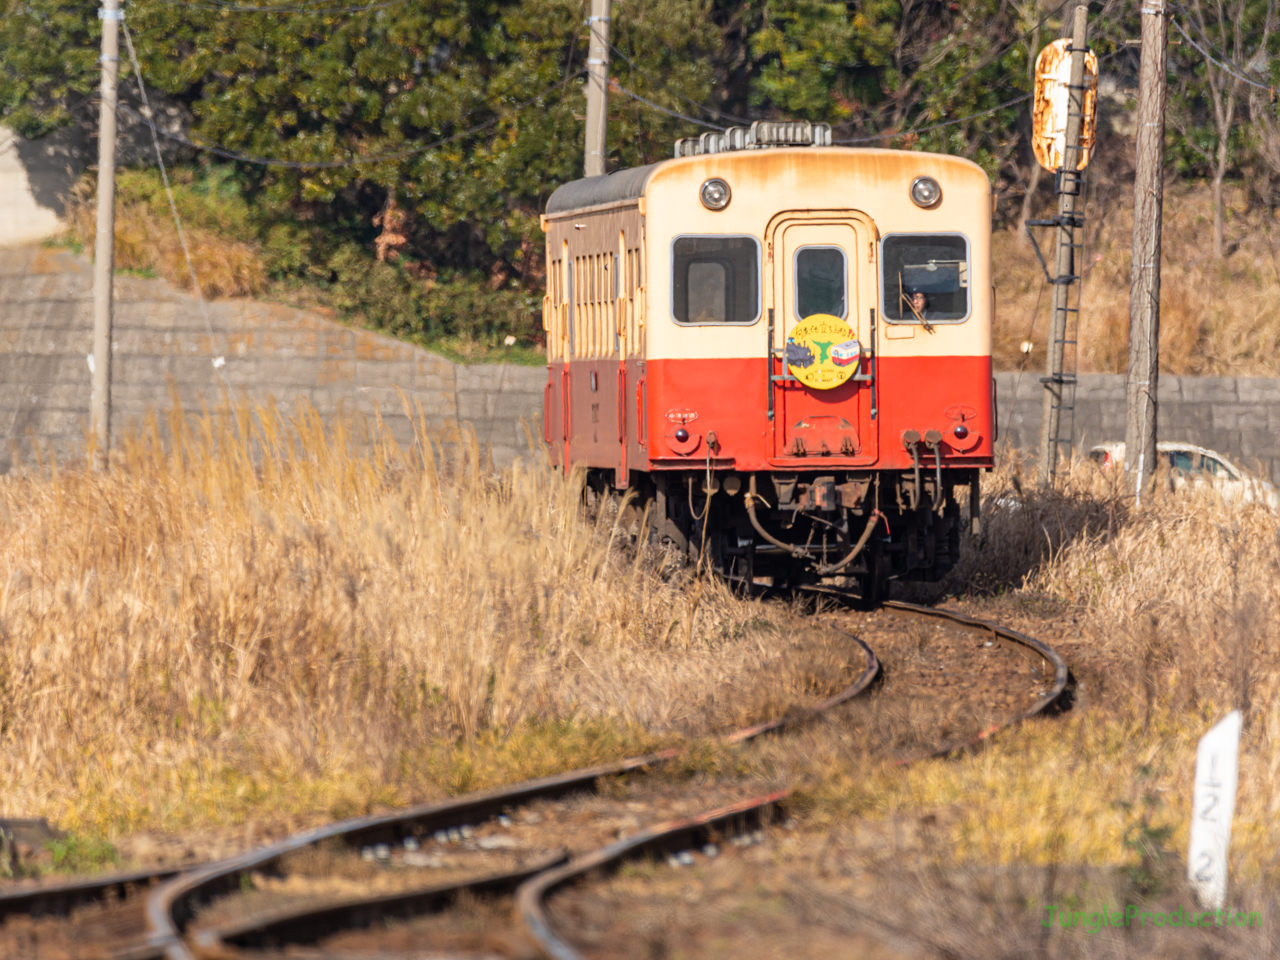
1217 63
1009 46
670 113
712 111
937 126
971 116
981 66
280 8
335 164
220 362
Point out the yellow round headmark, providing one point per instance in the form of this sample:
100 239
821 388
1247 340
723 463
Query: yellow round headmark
822 352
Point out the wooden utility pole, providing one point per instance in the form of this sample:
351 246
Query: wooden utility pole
1069 219
1144 289
597 90
105 244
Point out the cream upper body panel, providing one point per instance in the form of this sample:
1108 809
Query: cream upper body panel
812 182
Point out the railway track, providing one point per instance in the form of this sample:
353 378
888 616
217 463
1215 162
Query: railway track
173 899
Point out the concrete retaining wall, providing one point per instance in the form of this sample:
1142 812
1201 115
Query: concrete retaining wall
277 353
1237 416
269 352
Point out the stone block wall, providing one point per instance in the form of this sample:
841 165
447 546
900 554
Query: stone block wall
163 340
1237 416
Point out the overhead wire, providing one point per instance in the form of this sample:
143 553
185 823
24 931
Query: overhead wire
992 58
279 8
971 116
667 111
871 139
937 126
1013 43
694 103
229 154
1225 68
220 362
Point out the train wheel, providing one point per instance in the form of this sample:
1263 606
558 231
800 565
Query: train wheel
872 584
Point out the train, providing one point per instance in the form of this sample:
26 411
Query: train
782 348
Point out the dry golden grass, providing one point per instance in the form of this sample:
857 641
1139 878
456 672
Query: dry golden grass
1216 317
270 619
1172 621
264 618
147 241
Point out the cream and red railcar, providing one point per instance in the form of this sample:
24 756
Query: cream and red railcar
800 335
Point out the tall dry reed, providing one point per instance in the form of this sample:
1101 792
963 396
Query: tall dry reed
262 615
1168 612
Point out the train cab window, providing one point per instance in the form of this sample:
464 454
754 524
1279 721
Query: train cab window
715 280
820 281
926 277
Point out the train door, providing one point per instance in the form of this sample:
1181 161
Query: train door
822 392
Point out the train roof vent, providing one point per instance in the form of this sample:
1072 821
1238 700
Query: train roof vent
761 135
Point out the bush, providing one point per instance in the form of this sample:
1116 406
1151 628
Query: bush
241 244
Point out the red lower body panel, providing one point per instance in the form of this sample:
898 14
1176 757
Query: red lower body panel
675 414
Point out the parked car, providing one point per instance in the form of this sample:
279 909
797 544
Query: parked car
1197 466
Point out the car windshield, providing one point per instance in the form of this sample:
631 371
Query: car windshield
1183 461
1218 468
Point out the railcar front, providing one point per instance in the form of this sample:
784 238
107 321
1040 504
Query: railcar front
787 350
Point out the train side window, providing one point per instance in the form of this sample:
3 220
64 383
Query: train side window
820 281
715 280
926 277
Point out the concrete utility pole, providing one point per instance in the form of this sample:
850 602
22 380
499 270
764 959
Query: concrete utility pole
104 246
597 90
1144 289
1070 183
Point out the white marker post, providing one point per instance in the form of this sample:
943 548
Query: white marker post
1213 806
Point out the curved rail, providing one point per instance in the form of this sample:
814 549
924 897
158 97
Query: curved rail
59 899
530 909
1012 639
171 906
302 925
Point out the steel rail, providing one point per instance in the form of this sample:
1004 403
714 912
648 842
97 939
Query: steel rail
307 924
674 835
61 898
531 910
1011 639
171 906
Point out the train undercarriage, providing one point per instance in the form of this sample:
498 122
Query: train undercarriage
797 528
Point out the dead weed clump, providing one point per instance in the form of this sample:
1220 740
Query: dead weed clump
147 241
263 617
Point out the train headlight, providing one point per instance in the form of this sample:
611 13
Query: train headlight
715 194
925 192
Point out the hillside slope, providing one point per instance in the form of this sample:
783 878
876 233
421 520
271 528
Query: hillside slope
1217 318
